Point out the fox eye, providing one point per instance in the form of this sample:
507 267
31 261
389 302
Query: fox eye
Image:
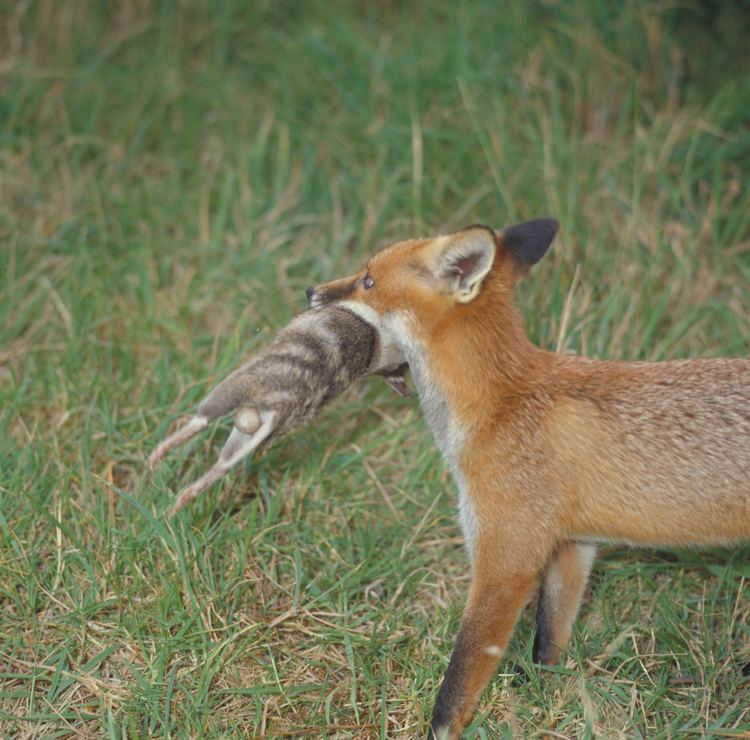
368 282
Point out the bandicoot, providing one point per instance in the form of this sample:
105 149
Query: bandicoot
551 454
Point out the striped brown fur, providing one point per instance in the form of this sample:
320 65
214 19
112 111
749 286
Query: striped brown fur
311 361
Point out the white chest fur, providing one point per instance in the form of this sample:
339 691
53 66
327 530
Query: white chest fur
446 430
395 331
450 438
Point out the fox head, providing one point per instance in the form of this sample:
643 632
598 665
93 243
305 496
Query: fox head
411 289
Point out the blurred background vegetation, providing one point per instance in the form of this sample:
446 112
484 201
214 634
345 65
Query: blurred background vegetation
172 176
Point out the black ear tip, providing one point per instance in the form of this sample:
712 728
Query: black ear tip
549 225
530 240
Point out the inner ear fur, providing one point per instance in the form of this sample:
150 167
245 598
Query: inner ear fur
464 259
528 242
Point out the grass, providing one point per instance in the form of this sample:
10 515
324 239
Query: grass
172 176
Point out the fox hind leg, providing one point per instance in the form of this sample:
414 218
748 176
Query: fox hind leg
562 586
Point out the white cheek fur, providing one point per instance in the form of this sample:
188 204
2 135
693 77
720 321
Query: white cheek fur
368 313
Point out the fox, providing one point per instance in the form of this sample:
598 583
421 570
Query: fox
551 454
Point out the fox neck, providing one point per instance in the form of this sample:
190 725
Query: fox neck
471 363
462 370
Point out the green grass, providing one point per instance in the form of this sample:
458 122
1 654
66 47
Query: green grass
172 176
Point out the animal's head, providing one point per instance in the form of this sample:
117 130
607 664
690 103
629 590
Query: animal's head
409 288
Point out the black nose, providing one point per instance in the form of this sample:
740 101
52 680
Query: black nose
309 293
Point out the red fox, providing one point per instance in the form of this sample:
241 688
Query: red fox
551 454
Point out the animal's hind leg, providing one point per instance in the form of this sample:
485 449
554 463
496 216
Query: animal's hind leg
182 435
229 396
238 446
562 587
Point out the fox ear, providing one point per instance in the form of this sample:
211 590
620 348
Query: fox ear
528 242
464 260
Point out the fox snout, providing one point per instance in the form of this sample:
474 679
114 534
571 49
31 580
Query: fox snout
337 290
316 296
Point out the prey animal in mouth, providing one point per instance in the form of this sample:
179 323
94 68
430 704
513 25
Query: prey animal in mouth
311 360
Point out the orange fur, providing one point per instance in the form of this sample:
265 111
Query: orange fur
550 453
